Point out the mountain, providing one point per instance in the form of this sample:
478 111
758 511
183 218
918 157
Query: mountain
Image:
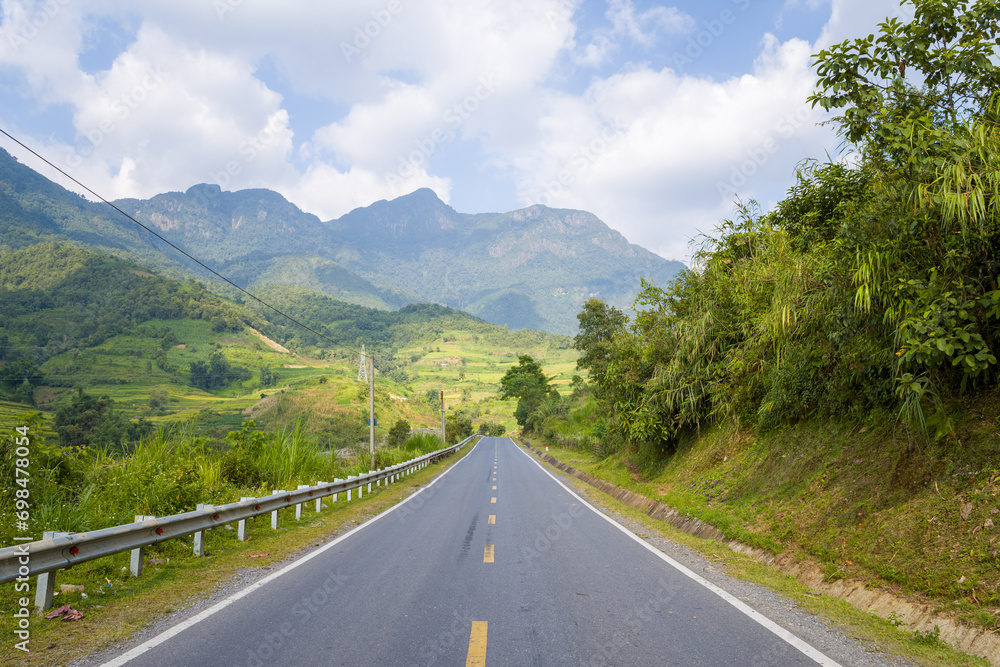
531 268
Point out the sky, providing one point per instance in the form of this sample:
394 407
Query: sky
657 118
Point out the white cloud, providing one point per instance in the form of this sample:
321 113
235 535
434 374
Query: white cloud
850 19
648 150
644 27
645 148
629 25
330 193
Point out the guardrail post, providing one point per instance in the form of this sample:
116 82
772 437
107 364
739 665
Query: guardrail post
349 478
46 584
241 527
336 480
319 501
274 513
298 506
370 472
135 561
199 537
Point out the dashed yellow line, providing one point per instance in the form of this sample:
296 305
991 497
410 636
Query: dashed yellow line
488 554
476 656
492 519
494 487
493 499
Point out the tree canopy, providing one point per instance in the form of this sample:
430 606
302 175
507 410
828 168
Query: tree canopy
528 384
872 286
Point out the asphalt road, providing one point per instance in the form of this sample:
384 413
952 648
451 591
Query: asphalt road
494 563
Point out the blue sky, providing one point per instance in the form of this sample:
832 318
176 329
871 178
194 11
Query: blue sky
655 117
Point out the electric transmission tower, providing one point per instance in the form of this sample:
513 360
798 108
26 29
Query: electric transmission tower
363 367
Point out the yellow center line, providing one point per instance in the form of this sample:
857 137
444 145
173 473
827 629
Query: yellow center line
494 487
488 554
493 499
477 645
492 519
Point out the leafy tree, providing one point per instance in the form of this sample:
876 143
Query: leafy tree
599 323
398 434
928 263
25 393
18 380
492 428
216 373
457 427
92 421
528 384
269 378
904 91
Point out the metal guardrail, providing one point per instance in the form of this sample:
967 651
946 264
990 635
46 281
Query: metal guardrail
64 550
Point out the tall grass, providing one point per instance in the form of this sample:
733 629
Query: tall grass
172 470
422 443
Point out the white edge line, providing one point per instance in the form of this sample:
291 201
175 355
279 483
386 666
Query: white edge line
781 632
219 606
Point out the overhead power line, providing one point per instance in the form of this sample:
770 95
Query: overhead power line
178 249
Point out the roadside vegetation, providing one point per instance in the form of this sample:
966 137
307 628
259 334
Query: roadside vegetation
116 605
824 379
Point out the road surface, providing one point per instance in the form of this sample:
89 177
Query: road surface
494 563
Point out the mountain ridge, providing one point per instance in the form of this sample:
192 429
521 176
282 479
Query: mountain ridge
529 268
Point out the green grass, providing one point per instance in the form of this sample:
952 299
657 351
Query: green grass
864 502
923 648
173 575
468 366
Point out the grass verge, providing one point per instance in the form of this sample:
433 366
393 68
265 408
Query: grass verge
118 605
922 648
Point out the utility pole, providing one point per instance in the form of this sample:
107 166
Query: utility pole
444 435
371 409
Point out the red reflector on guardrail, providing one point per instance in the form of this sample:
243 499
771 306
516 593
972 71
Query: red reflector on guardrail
159 531
256 507
74 551
215 517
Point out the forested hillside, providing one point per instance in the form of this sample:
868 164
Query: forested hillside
823 381
75 319
527 269
872 287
